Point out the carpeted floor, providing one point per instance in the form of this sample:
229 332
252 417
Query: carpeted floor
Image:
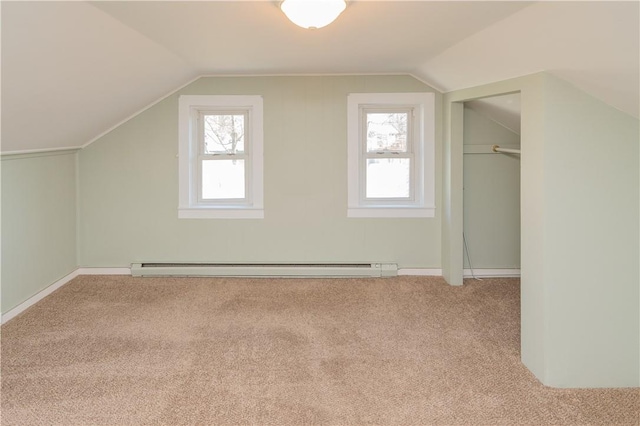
107 350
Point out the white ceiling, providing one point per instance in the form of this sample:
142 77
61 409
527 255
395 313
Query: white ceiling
69 72
79 68
255 37
594 45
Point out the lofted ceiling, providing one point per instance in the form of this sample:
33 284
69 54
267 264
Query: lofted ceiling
80 68
255 37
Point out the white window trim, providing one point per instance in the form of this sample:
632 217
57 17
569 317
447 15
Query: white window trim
423 205
189 207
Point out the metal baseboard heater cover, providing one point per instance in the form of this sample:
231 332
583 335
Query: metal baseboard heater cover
300 270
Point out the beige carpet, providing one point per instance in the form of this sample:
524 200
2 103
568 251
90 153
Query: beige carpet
407 350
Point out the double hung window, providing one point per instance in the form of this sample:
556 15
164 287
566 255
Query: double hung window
220 155
389 160
391 155
223 160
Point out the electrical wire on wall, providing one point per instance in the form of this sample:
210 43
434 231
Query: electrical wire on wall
466 250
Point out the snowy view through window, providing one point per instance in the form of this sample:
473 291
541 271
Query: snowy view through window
224 136
387 136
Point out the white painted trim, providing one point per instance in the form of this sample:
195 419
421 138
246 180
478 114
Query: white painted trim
38 297
427 272
491 273
140 111
188 141
220 213
12 313
365 212
423 81
104 271
422 204
9 155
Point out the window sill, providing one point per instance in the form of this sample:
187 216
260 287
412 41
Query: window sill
220 213
391 212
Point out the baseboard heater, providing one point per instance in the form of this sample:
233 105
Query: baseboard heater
264 270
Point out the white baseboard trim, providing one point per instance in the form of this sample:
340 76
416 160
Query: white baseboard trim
127 271
56 285
420 271
104 271
38 296
492 273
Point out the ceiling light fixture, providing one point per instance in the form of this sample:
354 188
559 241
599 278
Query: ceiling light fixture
312 14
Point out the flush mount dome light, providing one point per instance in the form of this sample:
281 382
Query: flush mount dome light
312 13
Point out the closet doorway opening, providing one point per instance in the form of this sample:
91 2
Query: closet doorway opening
491 187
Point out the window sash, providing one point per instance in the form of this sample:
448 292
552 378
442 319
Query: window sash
190 162
366 155
225 201
387 200
244 155
387 110
422 105
201 131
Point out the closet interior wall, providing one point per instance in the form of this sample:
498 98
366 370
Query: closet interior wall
491 194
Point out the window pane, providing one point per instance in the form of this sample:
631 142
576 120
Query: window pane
387 131
222 179
223 133
388 178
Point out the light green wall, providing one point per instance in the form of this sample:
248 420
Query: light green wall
38 223
491 195
579 218
129 185
452 191
591 240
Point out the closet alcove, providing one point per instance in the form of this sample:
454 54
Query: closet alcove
491 186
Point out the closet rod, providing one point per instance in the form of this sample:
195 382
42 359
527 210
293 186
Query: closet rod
496 148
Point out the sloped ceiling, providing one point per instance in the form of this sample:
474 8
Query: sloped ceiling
73 70
256 37
504 110
594 45
70 71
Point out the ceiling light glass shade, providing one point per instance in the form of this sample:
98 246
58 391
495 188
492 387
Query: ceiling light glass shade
312 13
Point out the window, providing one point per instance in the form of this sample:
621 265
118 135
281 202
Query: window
220 157
391 155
